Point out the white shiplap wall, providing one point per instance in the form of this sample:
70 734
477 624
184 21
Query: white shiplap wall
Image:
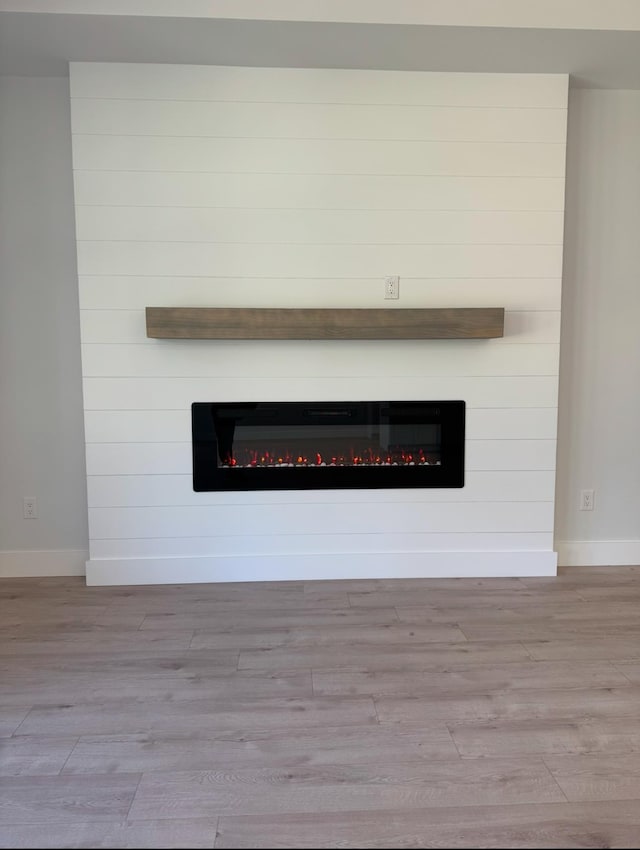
218 186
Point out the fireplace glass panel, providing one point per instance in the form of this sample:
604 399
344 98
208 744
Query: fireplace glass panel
307 445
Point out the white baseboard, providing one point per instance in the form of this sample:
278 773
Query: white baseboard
110 571
598 553
26 563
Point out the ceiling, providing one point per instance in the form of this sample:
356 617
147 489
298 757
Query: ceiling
43 44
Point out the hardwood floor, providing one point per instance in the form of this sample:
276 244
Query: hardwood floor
410 713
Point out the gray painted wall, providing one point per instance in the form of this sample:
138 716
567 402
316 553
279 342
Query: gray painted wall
41 425
599 419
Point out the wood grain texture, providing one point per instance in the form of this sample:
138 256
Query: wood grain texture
338 788
34 756
139 835
196 834
505 738
340 738
197 715
11 716
322 745
554 825
605 646
267 620
50 799
383 635
576 704
501 679
278 323
362 657
597 777
33 686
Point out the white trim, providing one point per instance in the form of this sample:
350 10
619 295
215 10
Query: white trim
42 562
598 553
122 571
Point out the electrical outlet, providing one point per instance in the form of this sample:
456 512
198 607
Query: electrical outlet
392 287
30 507
586 500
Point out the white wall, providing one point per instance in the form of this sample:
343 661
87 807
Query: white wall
271 187
600 360
41 429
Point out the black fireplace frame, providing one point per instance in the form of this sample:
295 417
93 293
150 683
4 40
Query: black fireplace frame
209 476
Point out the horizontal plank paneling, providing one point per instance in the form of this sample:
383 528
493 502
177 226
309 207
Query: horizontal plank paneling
167 426
304 188
223 520
178 393
175 458
316 156
137 426
292 261
99 116
176 489
294 358
514 424
138 458
110 292
318 191
316 85
510 454
522 326
323 544
208 224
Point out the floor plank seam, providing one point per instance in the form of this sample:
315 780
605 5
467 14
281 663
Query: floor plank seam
529 653
375 708
562 791
15 733
453 741
216 832
616 667
464 634
71 751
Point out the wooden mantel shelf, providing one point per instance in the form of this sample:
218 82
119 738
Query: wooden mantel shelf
286 323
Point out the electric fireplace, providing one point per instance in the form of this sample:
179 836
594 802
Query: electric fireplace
327 445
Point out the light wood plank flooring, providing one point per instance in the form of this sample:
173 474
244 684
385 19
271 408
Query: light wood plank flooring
407 713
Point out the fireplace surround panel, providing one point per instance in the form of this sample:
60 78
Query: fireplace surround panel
192 200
